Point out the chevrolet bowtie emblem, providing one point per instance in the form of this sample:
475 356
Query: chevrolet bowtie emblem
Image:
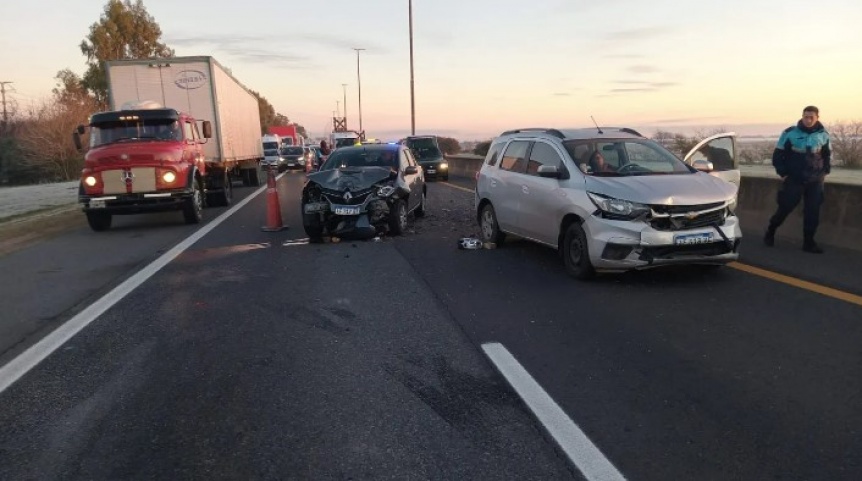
691 215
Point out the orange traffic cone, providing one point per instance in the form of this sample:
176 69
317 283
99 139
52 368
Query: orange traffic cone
273 207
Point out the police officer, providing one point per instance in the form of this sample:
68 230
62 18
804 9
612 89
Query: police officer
802 158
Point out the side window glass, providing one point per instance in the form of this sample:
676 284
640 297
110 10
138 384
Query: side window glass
410 159
719 151
196 131
494 153
188 131
543 154
515 157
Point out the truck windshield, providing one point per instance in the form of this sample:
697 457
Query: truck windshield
291 151
118 131
345 142
270 146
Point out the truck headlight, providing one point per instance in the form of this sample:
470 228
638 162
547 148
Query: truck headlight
169 177
618 208
90 181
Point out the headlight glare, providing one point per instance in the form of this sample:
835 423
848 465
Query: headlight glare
169 177
444 165
90 181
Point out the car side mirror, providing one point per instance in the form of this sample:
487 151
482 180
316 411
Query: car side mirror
208 129
703 165
76 137
550 171
411 170
81 129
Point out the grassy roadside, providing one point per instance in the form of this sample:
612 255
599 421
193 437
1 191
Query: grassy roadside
22 230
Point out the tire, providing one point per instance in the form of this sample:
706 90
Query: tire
99 221
422 209
313 227
576 253
489 226
250 177
398 218
224 197
193 210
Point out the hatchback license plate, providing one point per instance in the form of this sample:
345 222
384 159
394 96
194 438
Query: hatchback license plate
687 239
347 210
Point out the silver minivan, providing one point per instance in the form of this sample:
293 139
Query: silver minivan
611 200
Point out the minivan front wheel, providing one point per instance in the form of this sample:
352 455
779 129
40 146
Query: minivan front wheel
489 226
576 253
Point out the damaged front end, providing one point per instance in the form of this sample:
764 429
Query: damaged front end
351 201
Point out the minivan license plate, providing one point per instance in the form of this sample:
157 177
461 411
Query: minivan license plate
347 210
687 239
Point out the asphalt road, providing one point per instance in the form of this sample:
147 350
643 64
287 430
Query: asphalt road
248 358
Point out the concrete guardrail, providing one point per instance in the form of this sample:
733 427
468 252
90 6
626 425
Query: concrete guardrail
840 216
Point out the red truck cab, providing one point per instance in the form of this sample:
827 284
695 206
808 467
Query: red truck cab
142 161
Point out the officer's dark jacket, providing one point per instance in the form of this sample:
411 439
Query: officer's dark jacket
803 154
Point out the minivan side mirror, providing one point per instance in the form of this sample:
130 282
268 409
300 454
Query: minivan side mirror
703 165
411 170
551 171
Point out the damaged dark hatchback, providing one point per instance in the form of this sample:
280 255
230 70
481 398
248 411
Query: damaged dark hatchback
363 191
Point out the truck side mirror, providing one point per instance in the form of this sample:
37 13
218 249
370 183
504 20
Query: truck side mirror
76 137
208 129
81 129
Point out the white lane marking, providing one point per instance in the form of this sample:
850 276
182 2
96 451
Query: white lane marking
577 446
30 358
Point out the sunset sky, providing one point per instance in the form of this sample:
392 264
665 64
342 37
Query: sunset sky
484 66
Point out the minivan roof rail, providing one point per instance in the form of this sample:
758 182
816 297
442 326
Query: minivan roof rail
554 132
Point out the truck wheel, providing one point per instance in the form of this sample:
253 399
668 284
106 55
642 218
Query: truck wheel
398 218
423 206
225 196
99 221
194 206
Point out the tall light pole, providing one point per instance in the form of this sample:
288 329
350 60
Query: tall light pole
359 88
412 98
344 88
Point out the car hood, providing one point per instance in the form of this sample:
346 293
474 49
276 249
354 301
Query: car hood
683 189
350 178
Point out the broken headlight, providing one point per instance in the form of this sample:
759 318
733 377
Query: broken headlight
385 191
618 208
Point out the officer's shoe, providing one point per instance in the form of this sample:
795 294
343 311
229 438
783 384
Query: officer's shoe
812 247
769 238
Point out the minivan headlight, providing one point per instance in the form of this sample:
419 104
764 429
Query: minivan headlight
731 204
618 208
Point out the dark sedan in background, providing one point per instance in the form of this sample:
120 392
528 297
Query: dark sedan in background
427 152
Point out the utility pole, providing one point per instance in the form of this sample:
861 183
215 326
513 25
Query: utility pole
5 110
359 89
412 99
344 88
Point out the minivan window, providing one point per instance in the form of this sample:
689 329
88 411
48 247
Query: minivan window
494 153
515 157
718 151
542 154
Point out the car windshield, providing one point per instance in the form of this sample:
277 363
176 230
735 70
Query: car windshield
424 148
291 151
361 157
422 142
624 157
118 131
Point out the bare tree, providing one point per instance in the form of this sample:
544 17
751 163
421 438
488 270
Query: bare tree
45 138
846 139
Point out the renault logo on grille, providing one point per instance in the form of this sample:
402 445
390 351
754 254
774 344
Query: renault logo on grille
347 196
127 176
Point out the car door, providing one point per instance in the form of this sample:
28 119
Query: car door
508 184
413 181
720 150
541 197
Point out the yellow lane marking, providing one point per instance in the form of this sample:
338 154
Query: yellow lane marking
458 187
792 281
